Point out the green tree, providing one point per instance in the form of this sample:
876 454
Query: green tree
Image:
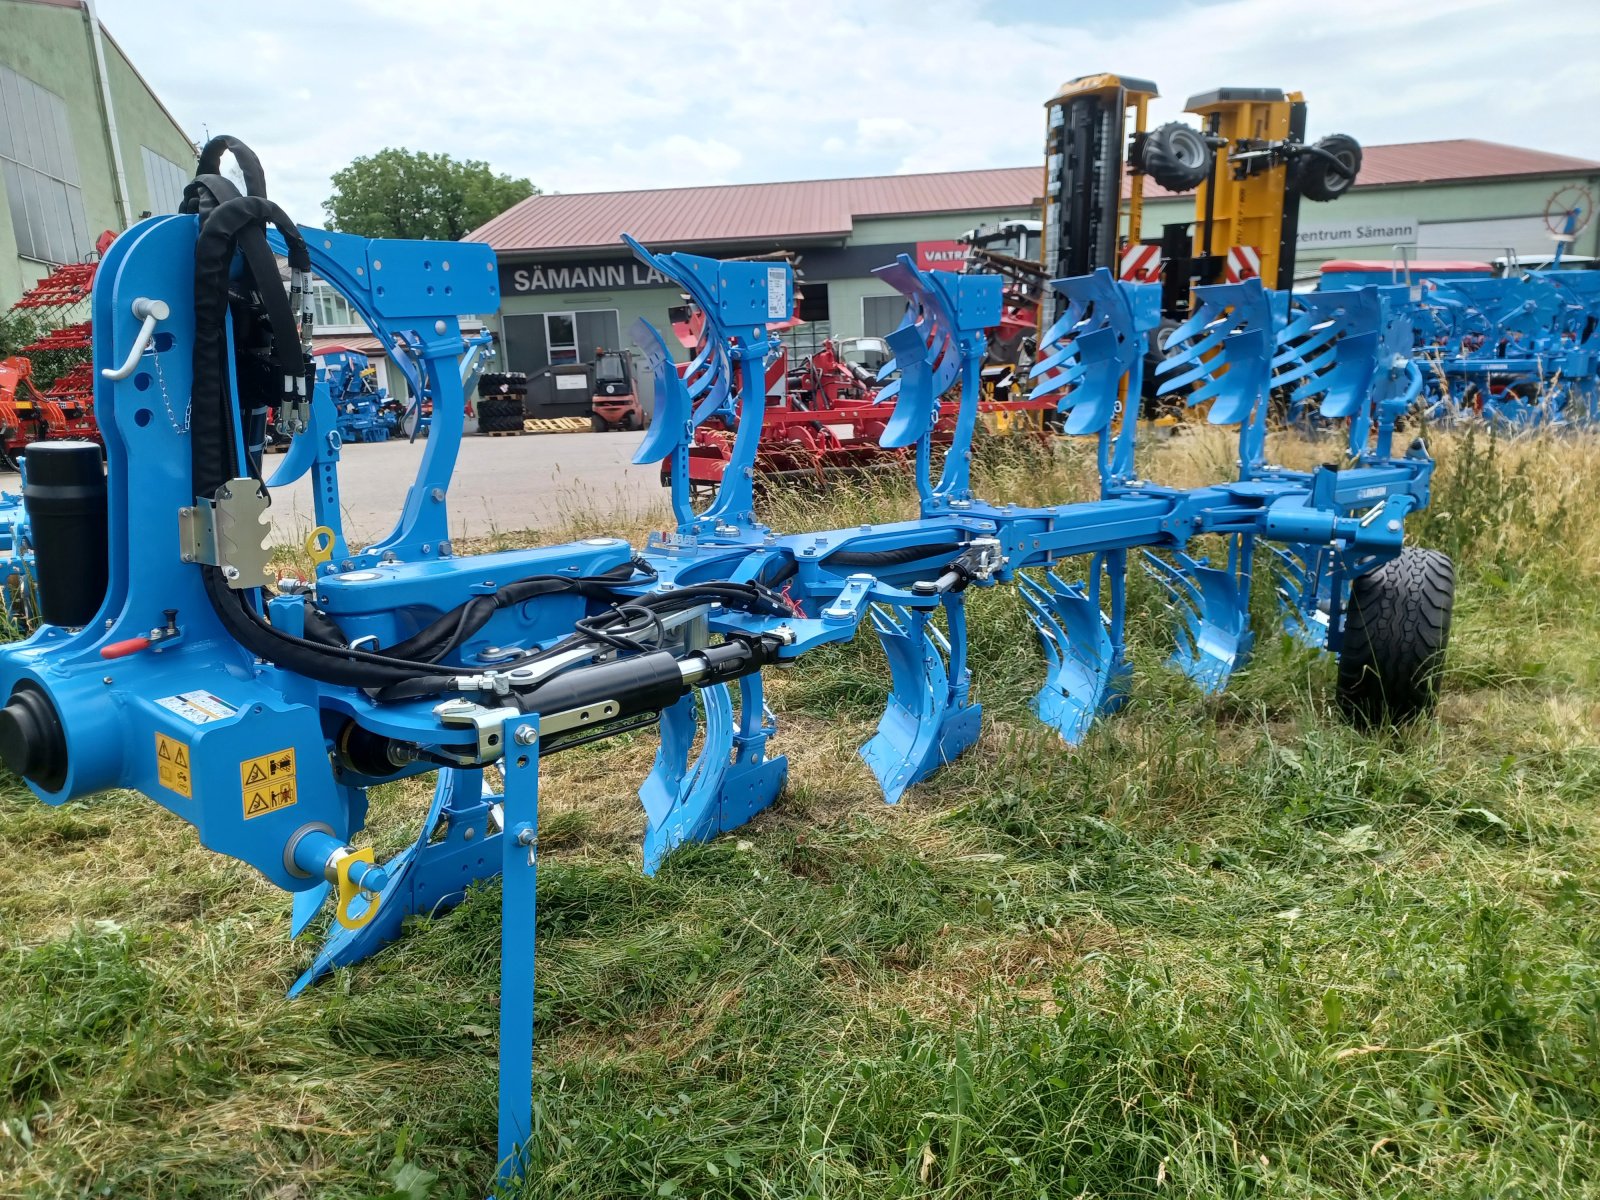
413 194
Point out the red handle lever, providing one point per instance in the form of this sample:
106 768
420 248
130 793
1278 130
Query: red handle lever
123 649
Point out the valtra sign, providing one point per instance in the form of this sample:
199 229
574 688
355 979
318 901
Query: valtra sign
941 256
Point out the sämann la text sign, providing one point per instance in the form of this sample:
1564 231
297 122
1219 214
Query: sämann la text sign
544 278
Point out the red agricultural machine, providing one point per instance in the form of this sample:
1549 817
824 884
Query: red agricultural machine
822 418
47 386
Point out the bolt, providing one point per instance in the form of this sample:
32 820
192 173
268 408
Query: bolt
230 573
438 495
526 736
1394 526
187 557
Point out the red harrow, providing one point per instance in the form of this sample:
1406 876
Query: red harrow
47 388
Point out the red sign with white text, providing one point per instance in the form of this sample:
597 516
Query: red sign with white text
941 256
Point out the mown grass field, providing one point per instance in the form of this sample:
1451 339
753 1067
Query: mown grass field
1227 948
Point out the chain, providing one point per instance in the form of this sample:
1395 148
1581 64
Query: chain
166 402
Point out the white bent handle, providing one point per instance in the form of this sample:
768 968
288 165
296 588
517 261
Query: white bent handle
149 311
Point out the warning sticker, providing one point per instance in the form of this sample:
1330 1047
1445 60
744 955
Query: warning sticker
266 783
198 707
172 766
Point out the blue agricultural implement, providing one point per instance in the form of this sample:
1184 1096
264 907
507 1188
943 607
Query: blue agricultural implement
263 714
1517 351
363 410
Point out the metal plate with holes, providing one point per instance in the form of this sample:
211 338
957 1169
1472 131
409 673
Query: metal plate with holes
432 279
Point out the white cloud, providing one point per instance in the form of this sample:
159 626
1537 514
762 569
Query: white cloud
608 94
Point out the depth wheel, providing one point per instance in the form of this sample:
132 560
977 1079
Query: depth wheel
1395 634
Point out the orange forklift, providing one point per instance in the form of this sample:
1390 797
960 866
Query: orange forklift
615 401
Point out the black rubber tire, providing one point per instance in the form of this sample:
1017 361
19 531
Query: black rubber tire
1175 155
499 414
1396 630
1316 178
598 423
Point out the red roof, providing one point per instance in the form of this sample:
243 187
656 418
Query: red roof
746 212
829 208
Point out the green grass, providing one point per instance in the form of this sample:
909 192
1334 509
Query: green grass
1227 948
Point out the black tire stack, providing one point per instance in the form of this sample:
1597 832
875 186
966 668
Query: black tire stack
501 396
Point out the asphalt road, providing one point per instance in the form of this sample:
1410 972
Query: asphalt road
501 484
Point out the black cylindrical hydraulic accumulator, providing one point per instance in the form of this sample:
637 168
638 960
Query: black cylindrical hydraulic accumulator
69 525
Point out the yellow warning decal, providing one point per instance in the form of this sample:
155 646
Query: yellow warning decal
172 766
266 783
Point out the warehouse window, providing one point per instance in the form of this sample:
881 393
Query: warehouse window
164 180
535 341
813 302
332 309
880 315
40 169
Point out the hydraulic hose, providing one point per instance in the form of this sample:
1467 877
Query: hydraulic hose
891 558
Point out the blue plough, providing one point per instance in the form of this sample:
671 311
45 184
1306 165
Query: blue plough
263 715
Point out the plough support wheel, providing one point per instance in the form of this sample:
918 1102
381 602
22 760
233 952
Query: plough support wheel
1395 635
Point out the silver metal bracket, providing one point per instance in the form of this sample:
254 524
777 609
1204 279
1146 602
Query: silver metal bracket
229 532
572 718
487 722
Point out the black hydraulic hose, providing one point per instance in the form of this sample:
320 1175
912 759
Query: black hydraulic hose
891 558
255 177
454 627
338 665
240 223
204 192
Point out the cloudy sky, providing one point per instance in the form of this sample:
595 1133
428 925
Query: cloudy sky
596 95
